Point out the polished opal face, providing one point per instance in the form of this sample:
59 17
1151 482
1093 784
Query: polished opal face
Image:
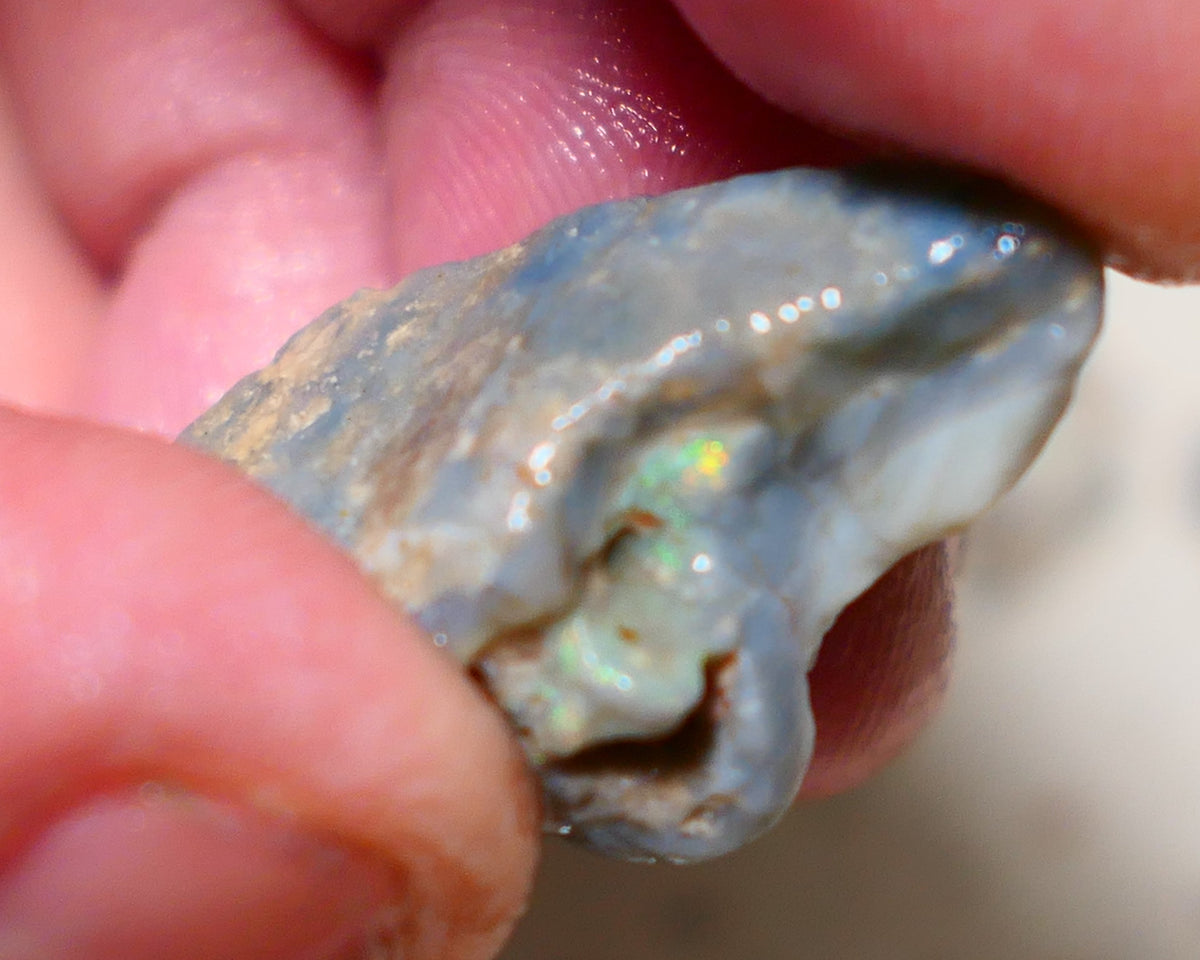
630 469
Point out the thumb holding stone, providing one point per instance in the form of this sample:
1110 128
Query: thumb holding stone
216 738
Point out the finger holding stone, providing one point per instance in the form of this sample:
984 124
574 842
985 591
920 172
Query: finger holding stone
499 117
176 626
1094 106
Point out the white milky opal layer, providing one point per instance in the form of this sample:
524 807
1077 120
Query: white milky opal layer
630 469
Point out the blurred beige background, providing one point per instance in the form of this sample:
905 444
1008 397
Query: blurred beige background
1053 810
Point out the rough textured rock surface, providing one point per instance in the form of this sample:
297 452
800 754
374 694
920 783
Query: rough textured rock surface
630 469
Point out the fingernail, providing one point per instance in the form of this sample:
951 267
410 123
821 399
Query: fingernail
157 874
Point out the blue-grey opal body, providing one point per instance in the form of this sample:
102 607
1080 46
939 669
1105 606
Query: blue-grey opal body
631 469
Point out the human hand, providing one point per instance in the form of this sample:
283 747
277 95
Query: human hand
186 183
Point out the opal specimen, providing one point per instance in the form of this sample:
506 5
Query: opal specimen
630 469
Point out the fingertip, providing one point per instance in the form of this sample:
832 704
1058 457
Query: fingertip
1095 107
166 620
881 673
525 112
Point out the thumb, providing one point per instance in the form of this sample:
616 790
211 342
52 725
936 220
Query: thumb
318 769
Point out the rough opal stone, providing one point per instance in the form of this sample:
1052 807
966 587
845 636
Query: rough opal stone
630 469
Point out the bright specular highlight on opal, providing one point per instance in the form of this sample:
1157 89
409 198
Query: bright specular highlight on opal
630 469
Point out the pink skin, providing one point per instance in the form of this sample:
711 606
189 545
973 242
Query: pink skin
1093 104
184 184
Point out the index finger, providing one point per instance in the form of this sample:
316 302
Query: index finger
1092 104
